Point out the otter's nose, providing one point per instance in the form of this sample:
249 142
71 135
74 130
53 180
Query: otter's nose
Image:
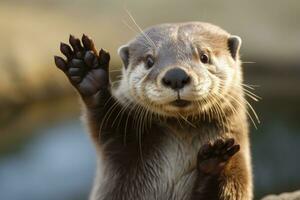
176 79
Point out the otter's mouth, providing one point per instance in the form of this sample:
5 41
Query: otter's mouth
180 103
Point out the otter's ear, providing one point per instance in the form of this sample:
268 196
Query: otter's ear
234 45
123 52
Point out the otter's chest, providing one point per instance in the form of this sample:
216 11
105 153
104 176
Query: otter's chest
179 149
181 146
161 164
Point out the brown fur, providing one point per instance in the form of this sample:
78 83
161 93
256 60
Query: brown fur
157 159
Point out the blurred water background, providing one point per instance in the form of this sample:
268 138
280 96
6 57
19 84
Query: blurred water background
44 150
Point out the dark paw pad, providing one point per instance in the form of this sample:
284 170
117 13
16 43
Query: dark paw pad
86 69
212 157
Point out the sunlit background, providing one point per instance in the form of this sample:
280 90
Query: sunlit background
45 153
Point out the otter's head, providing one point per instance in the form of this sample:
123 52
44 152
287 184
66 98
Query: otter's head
179 69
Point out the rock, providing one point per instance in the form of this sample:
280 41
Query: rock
284 196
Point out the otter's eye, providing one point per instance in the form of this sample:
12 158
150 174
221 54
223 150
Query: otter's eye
204 58
149 62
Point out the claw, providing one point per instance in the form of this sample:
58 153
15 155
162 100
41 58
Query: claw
75 43
60 63
233 150
66 50
87 42
104 57
228 143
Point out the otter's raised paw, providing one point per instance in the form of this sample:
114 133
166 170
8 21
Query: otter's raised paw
212 158
85 68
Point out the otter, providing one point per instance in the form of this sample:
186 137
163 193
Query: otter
176 127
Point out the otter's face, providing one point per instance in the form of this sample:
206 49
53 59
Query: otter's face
179 71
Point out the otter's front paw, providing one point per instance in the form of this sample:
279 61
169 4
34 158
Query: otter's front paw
85 68
212 158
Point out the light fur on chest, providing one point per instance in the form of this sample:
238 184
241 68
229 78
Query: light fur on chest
177 156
